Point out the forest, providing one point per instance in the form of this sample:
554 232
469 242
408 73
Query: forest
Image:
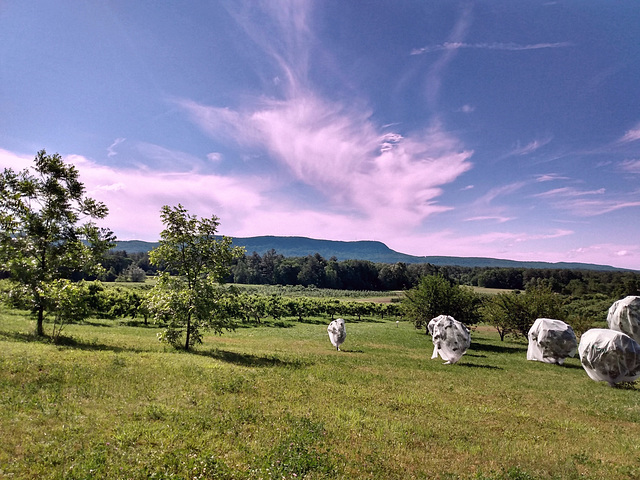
314 270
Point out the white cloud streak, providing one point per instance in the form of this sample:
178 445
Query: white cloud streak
511 47
631 135
631 166
111 150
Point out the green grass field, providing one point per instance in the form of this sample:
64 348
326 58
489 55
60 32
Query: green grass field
280 402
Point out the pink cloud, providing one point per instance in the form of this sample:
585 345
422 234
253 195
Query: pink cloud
631 166
338 151
568 192
631 135
584 202
493 218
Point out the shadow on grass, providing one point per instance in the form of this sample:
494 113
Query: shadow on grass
137 323
249 360
473 365
96 324
23 337
63 342
627 386
568 365
265 323
478 345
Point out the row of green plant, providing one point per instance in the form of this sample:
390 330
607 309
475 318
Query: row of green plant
315 292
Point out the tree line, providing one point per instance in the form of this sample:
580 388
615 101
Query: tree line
273 268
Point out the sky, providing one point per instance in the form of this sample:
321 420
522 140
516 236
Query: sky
498 128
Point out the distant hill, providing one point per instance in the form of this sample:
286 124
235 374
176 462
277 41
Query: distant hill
364 250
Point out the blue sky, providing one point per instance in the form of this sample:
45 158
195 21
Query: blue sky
501 128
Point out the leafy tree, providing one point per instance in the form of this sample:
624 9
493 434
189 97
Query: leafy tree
42 238
133 273
189 300
515 313
67 302
435 295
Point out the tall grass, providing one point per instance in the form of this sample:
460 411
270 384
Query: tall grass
268 402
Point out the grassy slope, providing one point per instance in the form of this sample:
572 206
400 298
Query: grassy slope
273 402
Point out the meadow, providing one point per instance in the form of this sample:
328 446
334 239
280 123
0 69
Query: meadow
277 401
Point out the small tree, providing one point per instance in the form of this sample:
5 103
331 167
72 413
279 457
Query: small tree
41 237
515 313
435 295
67 302
187 302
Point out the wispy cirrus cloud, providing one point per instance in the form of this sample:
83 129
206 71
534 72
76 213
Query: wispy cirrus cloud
500 191
529 147
435 73
567 192
550 177
631 135
630 166
587 203
344 156
492 218
392 179
111 150
511 47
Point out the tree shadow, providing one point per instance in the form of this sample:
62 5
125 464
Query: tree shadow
138 324
95 324
249 360
23 337
569 365
64 342
487 347
473 365
266 323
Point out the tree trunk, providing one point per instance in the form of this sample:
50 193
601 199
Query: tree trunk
186 342
40 322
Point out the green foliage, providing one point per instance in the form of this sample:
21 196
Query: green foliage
133 273
188 302
435 295
66 302
514 313
41 238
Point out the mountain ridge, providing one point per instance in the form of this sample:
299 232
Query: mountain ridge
372 250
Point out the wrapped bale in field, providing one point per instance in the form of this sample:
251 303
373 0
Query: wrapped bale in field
609 356
451 339
337 332
624 316
435 320
551 341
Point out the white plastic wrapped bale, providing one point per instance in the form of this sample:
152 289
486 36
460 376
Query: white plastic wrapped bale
609 356
451 339
624 316
337 332
551 341
435 320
